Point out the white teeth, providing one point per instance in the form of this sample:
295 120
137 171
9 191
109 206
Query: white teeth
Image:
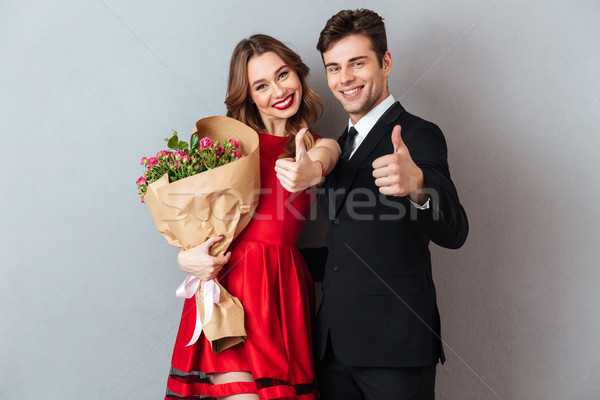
285 103
351 91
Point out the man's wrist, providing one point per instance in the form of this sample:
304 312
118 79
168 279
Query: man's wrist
417 196
425 206
419 199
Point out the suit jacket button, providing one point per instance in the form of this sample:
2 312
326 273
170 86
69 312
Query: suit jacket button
335 268
336 221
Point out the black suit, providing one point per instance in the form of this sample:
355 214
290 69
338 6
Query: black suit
379 302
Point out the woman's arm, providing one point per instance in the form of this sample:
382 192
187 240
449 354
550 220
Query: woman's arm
308 168
327 151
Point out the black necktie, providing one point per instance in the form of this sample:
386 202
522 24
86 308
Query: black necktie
349 143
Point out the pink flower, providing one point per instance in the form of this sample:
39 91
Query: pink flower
204 143
179 154
163 153
152 161
185 158
237 155
220 150
141 180
234 143
144 161
143 200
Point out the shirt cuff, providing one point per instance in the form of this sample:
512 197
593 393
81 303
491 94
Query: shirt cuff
423 207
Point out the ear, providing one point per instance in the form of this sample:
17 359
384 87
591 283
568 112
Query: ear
386 63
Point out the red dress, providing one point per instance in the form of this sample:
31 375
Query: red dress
269 276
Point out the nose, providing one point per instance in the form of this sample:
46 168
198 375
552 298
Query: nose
278 90
346 75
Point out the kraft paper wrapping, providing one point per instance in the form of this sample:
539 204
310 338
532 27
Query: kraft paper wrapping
218 201
226 327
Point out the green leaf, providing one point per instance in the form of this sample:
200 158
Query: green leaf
182 146
173 143
195 140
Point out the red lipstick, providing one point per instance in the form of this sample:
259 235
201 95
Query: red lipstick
285 103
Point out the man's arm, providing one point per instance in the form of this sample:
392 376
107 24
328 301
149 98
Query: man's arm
445 221
418 168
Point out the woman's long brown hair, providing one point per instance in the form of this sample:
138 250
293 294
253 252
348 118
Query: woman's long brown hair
240 106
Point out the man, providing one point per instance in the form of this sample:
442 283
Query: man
378 327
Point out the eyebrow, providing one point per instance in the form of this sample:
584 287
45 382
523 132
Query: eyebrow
350 60
276 73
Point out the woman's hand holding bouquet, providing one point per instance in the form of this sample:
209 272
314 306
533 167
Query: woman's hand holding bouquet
198 262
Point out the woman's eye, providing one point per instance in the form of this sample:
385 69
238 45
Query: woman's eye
283 75
261 87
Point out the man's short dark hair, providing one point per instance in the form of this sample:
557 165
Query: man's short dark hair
355 22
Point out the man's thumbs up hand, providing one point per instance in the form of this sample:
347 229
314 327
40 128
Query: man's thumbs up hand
397 174
300 173
397 139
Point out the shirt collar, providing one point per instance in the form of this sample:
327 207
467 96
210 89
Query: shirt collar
366 123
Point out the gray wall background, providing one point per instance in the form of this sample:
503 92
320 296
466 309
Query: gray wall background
87 298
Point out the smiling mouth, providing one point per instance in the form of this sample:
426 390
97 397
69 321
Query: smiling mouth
351 92
285 103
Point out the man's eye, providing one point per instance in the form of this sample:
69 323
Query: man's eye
357 64
333 69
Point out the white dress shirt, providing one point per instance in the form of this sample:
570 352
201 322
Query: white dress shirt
366 123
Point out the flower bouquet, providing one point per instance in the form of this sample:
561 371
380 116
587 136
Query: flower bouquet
208 189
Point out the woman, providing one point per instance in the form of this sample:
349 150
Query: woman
267 90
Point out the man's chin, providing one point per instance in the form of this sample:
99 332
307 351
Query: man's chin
352 109
349 107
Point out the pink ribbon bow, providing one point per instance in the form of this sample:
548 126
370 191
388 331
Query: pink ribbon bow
210 293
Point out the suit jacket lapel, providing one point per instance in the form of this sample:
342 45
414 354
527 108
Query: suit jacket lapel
346 173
